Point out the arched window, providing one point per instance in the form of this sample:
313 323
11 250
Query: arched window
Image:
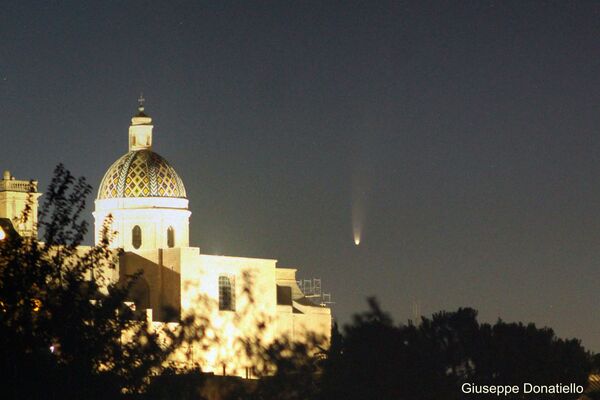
226 294
170 237
136 237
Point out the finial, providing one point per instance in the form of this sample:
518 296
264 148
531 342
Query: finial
141 101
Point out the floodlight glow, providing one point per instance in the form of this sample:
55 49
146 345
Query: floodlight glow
2 234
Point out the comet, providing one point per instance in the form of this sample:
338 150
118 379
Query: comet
360 195
362 173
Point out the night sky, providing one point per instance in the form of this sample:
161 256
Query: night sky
466 135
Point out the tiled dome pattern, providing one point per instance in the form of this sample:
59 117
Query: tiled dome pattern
141 173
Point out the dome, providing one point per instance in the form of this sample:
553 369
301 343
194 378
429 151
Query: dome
141 173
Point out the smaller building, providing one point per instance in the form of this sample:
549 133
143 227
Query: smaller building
15 198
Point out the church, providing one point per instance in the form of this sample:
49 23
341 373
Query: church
243 298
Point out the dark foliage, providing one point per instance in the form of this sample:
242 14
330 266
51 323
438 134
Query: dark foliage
62 322
378 360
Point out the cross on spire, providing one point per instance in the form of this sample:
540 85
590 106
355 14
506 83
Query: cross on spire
141 101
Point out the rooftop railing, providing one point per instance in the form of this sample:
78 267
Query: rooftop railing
13 185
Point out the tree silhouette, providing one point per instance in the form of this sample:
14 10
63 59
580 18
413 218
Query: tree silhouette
379 360
514 353
65 330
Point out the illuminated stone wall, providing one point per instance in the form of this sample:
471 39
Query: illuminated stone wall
154 216
187 281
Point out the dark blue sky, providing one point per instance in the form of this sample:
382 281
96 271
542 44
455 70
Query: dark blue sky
473 128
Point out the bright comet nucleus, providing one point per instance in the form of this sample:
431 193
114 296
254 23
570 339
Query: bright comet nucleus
357 218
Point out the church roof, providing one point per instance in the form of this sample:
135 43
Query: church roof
141 173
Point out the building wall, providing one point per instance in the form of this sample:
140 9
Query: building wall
187 281
300 320
153 215
159 286
254 306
